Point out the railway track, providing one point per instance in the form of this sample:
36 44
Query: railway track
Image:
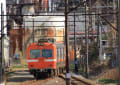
42 81
36 82
77 82
74 81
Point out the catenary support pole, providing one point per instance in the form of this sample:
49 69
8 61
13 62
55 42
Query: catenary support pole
86 42
1 67
33 32
118 27
67 44
76 63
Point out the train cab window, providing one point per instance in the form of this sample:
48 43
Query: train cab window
47 53
34 53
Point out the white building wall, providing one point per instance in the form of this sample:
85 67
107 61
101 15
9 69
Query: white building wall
5 49
4 10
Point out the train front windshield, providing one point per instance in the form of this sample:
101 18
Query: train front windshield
34 53
47 53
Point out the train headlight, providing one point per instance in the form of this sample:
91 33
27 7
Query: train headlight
31 65
51 65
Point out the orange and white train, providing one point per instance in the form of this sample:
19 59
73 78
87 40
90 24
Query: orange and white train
46 57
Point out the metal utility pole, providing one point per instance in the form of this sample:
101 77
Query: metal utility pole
90 18
98 29
1 52
33 32
100 40
76 63
67 44
86 42
118 27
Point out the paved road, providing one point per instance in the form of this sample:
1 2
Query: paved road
18 77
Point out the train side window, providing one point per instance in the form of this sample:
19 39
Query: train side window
63 54
60 53
57 53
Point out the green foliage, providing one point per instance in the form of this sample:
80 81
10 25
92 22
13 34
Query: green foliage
10 74
20 66
72 66
94 55
104 37
107 81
